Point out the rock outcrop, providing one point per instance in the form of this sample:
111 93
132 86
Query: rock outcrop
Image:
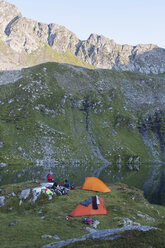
105 53
21 36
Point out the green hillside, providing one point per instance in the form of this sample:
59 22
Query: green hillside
78 122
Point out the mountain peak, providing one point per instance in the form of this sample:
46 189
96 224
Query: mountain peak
25 36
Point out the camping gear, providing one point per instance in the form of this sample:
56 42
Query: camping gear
47 185
91 222
94 202
95 223
88 221
95 184
48 192
86 202
71 187
82 209
54 185
60 190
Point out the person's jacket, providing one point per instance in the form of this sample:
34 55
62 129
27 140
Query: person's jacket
66 184
49 179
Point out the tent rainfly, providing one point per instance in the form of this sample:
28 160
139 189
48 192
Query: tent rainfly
95 184
91 206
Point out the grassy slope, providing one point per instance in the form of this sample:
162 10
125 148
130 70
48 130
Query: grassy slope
43 54
42 119
119 203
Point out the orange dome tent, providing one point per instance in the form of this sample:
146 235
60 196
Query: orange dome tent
82 210
95 184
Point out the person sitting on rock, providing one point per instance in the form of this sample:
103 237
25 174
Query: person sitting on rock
49 178
66 184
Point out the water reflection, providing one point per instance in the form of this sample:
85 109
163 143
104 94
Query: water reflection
150 177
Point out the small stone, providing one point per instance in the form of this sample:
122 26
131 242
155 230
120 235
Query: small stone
56 237
24 194
20 149
50 197
46 236
2 201
14 223
3 165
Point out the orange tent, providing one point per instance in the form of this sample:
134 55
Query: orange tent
95 184
82 210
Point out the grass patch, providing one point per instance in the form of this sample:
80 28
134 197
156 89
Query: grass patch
30 226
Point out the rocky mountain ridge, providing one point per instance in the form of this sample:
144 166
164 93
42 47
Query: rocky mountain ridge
22 37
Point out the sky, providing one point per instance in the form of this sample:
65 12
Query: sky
124 21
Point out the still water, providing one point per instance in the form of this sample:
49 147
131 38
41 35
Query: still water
150 177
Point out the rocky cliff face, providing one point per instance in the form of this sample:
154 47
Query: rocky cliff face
23 36
105 53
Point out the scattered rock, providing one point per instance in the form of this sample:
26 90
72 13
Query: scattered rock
46 236
24 194
56 237
13 194
118 162
50 197
112 237
145 216
36 193
20 149
2 201
126 221
89 229
133 197
14 223
101 234
20 202
3 165
50 236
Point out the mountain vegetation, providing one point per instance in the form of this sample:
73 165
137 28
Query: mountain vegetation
78 122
